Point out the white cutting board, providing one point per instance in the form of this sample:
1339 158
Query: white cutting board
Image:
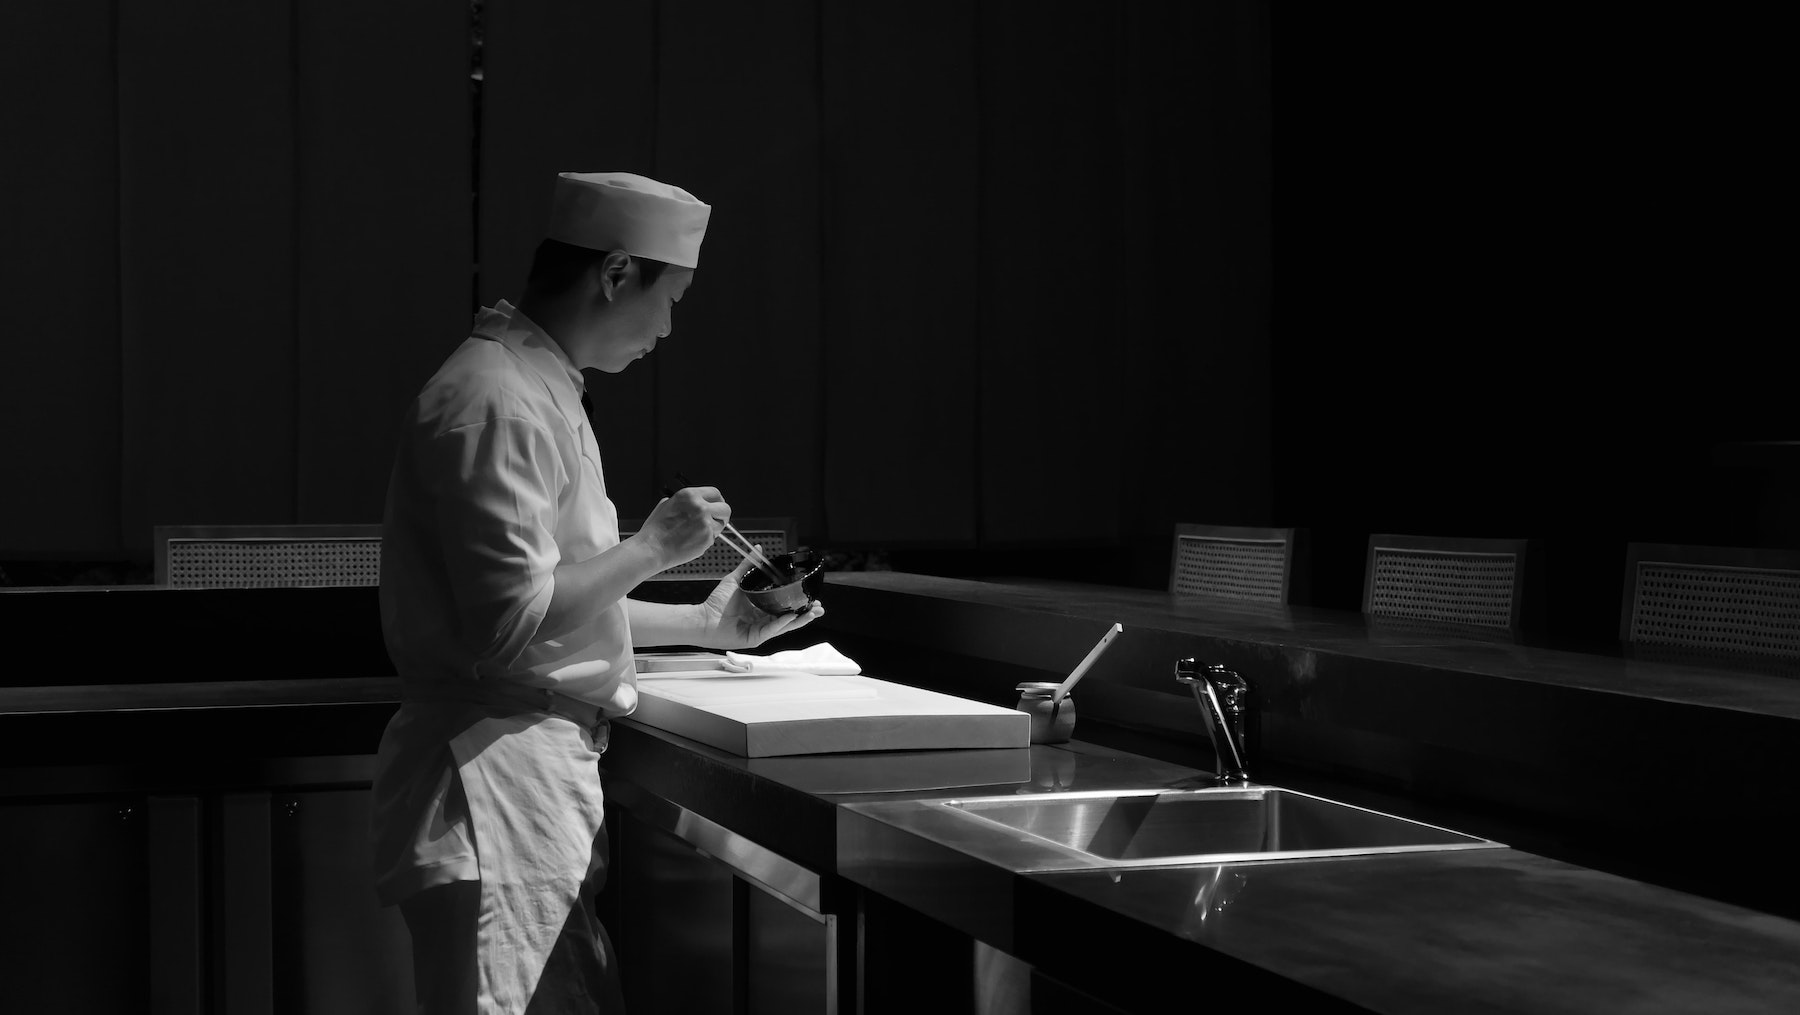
778 713
707 689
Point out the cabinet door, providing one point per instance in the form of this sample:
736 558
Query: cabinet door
337 950
674 930
790 955
73 937
694 935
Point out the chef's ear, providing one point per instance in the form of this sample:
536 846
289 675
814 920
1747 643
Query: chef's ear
614 269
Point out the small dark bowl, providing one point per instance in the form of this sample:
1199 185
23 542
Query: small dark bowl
804 573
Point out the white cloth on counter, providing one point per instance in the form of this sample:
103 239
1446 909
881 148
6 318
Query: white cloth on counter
820 658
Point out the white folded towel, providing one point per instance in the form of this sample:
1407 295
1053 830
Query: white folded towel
820 658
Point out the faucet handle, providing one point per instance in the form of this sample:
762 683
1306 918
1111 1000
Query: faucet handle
1222 680
1190 671
1231 687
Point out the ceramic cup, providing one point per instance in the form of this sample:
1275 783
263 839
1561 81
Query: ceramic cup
1051 721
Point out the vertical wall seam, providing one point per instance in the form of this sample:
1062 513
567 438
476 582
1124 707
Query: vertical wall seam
822 398
295 213
1129 521
119 390
474 40
976 463
657 478
655 88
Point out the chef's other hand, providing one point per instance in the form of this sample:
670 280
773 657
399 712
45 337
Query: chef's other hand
729 620
684 524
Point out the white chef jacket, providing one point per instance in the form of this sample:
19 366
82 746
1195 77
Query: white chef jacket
496 481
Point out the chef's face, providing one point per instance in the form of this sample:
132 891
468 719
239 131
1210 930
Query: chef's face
639 316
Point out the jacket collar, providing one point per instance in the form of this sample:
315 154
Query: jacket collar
509 326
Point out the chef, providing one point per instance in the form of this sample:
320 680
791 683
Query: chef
504 608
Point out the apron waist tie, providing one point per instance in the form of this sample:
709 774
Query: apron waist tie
517 696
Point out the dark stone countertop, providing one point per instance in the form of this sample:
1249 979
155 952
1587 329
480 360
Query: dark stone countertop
1475 931
1762 687
1490 930
139 737
167 696
1670 772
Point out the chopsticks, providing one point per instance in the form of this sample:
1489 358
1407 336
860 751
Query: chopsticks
745 548
752 553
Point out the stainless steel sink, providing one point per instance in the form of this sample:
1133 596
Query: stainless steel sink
1114 829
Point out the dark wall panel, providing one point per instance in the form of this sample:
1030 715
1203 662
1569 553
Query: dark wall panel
566 87
1053 302
59 399
980 277
569 87
385 232
1532 297
738 402
207 169
1197 208
900 280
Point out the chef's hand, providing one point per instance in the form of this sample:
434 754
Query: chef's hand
684 524
729 620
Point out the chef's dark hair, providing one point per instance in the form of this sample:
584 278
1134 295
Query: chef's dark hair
557 265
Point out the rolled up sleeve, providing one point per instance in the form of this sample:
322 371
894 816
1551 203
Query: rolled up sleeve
495 494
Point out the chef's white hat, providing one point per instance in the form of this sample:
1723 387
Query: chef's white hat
624 211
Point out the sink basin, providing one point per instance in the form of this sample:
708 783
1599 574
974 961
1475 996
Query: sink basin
1205 825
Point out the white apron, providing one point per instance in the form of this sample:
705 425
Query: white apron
530 813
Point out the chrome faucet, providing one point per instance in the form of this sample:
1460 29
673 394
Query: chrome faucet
1221 694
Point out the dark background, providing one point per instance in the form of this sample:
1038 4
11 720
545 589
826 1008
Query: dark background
1008 268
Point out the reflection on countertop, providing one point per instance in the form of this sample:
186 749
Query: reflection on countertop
1497 930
